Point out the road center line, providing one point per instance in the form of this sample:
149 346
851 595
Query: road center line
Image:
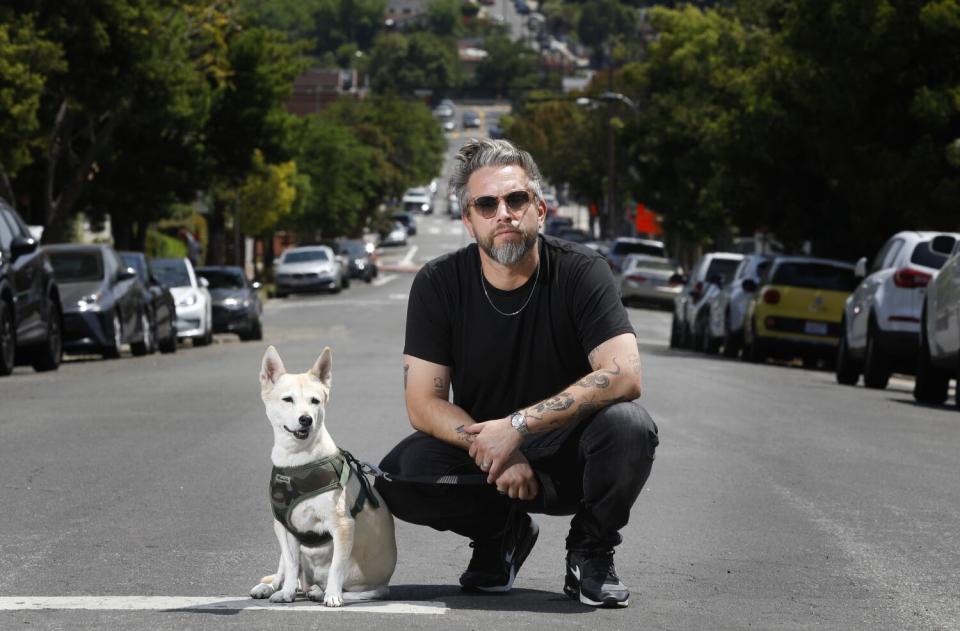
200 603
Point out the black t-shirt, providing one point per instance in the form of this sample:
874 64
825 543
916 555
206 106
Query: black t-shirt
502 363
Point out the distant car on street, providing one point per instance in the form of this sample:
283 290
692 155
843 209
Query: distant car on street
728 306
396 235
553 225
881 318
103 304
623 246
444 109
470 120
577 235
161 307
236 301
361 260
31 315
797 310
409 222
709 274
418 200
650 280
938 352
308 268
192 297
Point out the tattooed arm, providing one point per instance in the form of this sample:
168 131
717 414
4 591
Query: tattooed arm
426 389
616 377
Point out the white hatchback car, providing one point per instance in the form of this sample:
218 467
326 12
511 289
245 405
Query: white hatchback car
728 307
881 318
191 296
710 273
939 351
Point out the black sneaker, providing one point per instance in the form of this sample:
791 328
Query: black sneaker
592 579
495 562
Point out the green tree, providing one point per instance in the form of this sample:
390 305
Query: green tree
403 64
510 67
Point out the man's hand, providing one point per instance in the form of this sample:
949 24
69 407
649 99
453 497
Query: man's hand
493 444
517 480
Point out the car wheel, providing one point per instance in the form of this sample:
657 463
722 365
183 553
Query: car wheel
169 344
112 350
255 332
751 346
674 333
145 345
847 368
931 382
876 370
345 283
809 361
8 339
731 345
47 356
705 342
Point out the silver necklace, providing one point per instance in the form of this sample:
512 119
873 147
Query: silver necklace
483 284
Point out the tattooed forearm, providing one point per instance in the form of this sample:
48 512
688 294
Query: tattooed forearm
600 379
406 369
463 435
634 363
563 401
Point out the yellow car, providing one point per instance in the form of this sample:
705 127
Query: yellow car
797 310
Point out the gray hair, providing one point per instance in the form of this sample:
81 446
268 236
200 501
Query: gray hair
485 152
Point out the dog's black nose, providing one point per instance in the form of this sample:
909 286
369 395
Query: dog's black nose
305 420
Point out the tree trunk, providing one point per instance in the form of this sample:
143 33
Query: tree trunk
216 250
122 229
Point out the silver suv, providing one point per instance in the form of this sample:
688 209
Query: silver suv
939 351
728 307
881 318
710 273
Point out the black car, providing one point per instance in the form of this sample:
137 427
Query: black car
360 259
31 318
408 221
161 309
236 301
103 306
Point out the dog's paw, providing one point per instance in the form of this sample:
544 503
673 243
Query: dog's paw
282 597
333 600
262 590
315 594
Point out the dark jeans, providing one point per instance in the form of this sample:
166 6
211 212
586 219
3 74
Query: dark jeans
594 470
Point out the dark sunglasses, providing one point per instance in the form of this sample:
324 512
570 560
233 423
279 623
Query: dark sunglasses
487 205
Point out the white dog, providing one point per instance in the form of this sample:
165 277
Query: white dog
335 531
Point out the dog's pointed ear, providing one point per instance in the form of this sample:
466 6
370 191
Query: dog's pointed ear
271 368
322 368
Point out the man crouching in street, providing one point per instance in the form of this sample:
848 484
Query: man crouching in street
543 361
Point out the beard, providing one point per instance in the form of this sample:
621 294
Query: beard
511 251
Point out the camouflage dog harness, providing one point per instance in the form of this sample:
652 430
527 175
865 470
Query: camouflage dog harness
291 485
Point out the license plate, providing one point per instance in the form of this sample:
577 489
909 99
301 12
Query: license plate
815 328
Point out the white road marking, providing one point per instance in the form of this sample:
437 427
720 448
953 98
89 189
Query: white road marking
408 257
434 230
200 603
398 296
380 281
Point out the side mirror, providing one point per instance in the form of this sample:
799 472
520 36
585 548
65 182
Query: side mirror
860 271
749 285
22 245
943 244
127 274
256 284
204 282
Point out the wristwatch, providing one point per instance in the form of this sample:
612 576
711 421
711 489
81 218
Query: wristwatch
519 421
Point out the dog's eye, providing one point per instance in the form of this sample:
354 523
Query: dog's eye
288 399
315 401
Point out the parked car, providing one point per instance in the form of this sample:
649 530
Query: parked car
343 260
192 297
552 205
555 224
449 125
31 316
361 258
938 357
161 307
396 235
309 268
453 206
444 109
103 305
797 309
881 318
470 120
417 200
409 222
728 306
710 273
236 301
622 246
577 235
650 279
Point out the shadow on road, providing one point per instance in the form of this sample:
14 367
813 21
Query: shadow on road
530 600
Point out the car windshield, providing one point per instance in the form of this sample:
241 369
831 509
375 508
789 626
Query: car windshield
136 262
355 249
815 276
664 265
305 256
724 268
923 255
74 267
172 273
631 247
223 279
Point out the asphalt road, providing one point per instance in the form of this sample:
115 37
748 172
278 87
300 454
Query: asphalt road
778 499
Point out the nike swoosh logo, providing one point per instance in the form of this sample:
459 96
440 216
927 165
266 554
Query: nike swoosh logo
575 570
